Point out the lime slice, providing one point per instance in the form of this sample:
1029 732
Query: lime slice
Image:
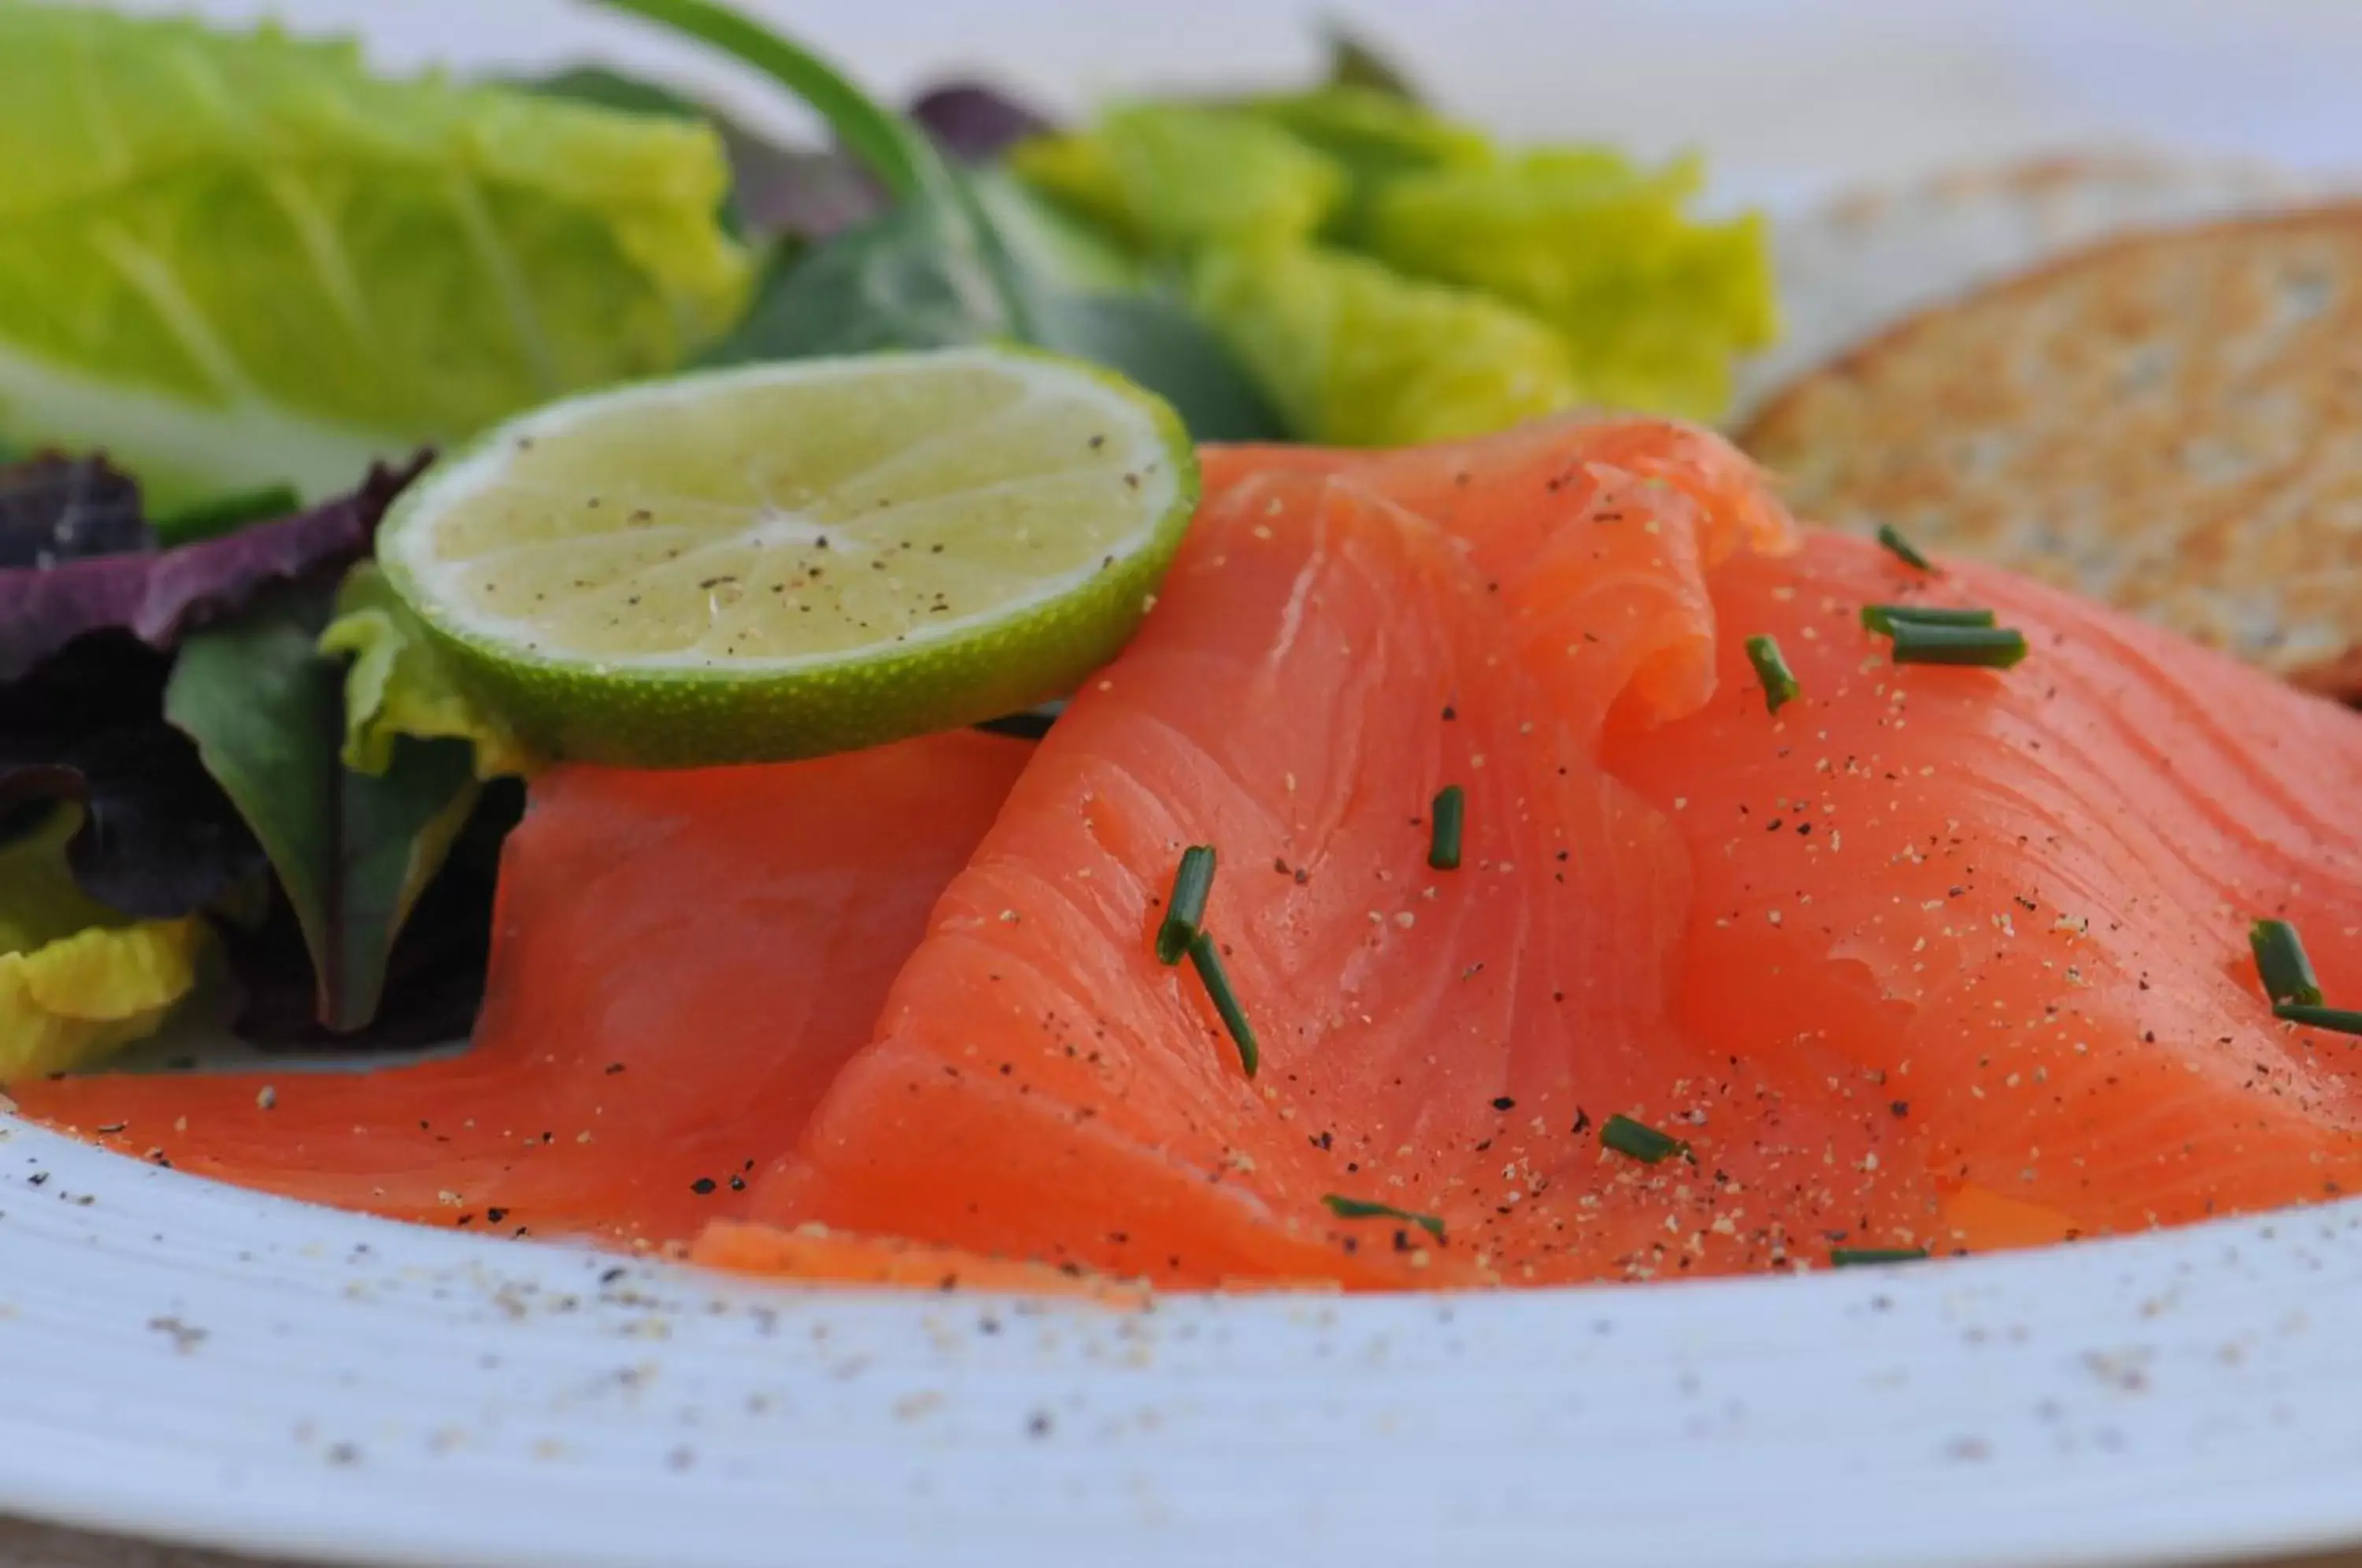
784 559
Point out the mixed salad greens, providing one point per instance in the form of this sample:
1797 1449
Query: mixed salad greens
246 286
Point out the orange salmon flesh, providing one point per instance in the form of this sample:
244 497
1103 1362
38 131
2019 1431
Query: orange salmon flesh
1940 958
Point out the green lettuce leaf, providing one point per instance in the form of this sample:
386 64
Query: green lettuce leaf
353 852
399 683
1356 355
914 279
1375 136
1654 305
77 980
238 258
1170 178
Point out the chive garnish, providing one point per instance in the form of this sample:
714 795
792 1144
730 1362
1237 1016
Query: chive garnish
1186 911
2336 1020
1984 648
1881 618
1208 965
1358 1209
1862 1257
1771 669
1902 548
2280 964
1450 815
1640 1141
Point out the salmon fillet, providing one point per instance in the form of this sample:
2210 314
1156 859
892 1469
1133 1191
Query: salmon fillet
681 963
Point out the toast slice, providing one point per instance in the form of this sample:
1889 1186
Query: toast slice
2169 421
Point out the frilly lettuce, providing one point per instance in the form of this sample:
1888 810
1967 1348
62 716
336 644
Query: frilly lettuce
237 258
1375 136
1356 355
1579 276
399 684
77 980
1653 305
1170 176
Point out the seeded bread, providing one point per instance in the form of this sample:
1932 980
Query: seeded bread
2170 421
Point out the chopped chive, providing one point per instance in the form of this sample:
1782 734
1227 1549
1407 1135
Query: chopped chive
2280 964
226 513
1903 550
1983 647
1640 1141
2336 1020
1357 1209
1186 912
1881 618
1451 817
1209 963
1863 1258
1771 668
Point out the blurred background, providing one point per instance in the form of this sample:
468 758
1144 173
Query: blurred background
1789 100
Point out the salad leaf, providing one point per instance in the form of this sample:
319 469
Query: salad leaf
1355 62
1160 343
77 980
1356 355
433 977
910 279
234 257
83 730
55 508
940 268
976 122
1654 305
156 838
903 282
1375 136
809 195
228 512
353 853
158 596
399 684
1168 178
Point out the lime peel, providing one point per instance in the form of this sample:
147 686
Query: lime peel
784 559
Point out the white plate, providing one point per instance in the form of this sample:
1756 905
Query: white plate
197 1364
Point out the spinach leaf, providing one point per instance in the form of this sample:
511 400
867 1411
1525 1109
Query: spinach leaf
940 268
909 279
353 853
1355 61
1158 342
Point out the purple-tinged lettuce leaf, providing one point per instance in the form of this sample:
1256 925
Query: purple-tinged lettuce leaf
974 122
353 852
161 594
158 839
54 508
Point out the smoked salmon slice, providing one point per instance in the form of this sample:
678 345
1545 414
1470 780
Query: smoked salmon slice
1322 661
1934 958
681 963
2012 906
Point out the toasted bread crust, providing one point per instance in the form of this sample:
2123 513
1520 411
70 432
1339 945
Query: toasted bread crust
2171 421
